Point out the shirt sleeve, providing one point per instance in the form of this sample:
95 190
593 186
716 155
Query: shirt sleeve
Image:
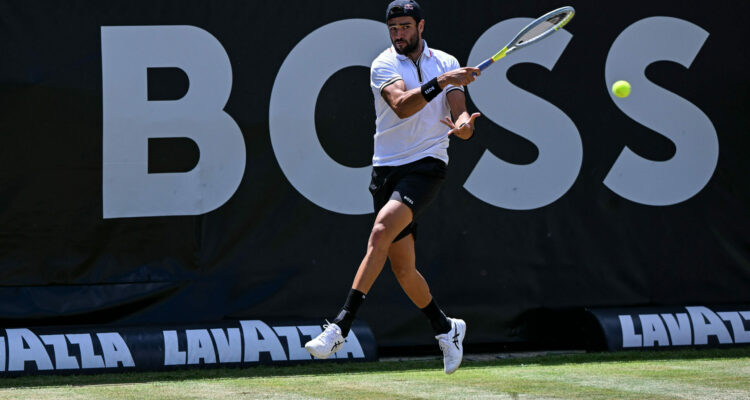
382 74
453 64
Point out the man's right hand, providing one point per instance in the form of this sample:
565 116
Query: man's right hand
459 77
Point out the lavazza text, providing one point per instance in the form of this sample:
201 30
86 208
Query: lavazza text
698 326
251 342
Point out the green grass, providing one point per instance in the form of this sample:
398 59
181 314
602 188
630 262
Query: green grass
693 374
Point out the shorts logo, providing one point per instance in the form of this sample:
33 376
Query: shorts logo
409 200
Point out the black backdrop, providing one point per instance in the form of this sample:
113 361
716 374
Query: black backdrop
268 252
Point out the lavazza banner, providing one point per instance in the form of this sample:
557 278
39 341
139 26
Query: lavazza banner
244 343
674 327
184 162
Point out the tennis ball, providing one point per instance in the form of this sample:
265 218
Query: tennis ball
621 88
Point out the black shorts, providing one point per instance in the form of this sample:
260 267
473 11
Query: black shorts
415 184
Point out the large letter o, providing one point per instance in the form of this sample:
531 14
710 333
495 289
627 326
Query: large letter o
305 70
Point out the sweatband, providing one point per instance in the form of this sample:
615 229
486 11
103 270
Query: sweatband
431 89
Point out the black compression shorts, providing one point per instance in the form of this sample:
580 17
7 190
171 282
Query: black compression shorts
415 184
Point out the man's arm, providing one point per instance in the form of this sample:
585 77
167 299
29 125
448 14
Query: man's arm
464 125
406 103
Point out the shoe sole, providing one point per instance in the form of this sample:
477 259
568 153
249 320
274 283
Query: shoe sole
320 356
323 356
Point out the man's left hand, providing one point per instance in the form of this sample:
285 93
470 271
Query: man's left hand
465 129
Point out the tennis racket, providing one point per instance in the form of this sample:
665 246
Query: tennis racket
537 30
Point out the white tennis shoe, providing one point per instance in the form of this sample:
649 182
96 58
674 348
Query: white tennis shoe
328 342
452 345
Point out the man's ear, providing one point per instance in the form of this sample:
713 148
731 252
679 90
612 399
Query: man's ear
420 26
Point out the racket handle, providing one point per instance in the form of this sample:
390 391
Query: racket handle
486 63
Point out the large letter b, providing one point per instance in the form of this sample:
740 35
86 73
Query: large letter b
129 120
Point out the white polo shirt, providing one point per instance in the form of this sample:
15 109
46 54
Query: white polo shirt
401 141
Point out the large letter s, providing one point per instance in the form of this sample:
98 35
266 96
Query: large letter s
661 183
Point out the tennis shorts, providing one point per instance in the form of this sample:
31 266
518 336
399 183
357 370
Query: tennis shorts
415 184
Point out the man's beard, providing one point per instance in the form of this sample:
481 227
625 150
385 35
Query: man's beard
411 46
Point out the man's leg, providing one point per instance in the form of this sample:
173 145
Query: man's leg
403 264
449 332
391 220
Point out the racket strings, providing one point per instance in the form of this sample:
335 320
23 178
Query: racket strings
541 28
536 30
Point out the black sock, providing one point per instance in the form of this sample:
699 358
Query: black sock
346 316
438 320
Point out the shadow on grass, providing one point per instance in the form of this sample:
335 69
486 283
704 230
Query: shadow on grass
323 368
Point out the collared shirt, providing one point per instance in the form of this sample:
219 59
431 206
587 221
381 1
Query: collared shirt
401 141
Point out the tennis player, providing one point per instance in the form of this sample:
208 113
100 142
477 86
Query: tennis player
417 89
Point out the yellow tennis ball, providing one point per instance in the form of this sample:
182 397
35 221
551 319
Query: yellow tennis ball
621 88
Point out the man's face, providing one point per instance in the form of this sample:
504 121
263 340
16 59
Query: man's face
405 33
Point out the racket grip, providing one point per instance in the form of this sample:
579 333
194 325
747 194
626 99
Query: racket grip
486 63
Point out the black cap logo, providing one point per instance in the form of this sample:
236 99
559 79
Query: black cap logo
403 8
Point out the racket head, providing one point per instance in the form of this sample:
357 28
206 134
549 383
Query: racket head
538 29
542 27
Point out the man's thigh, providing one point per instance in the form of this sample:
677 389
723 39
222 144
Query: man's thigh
415 185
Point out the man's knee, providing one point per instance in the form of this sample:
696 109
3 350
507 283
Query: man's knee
380 236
